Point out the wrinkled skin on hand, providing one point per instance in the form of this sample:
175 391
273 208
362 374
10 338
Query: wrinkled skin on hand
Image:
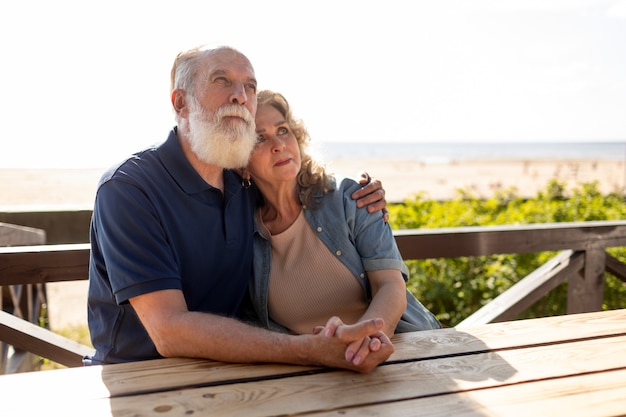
366 346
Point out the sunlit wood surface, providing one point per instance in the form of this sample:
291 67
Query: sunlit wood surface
573 365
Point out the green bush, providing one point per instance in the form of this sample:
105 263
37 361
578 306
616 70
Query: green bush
455 288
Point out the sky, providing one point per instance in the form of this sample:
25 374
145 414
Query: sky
85 83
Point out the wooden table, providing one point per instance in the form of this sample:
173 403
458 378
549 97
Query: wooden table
572 365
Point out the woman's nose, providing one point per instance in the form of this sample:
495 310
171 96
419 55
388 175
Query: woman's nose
277 144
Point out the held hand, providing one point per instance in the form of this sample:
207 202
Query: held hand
367 345
380 348
356 350
372 195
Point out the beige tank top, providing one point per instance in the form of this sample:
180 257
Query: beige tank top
308 284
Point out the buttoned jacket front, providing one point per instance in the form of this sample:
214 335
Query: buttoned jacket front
362 241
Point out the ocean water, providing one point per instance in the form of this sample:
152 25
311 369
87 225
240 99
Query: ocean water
463 151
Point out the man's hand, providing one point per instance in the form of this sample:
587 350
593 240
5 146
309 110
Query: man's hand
366 344
372 195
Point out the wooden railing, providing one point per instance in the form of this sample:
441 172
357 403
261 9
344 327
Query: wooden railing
582 261
32 266
22 301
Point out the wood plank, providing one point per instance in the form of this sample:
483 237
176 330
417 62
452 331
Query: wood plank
45 263
616 267
589 395
16 235
61 226
27 336
490 240
506 335
93 382
333 390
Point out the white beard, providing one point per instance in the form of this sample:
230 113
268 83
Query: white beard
219 142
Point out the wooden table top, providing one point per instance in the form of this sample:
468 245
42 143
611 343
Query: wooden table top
573 365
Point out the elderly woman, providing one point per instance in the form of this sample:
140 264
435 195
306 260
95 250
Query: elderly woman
316 255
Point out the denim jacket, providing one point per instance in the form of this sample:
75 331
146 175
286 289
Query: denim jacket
362 241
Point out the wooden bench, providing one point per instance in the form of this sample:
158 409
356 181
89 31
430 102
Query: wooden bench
22 308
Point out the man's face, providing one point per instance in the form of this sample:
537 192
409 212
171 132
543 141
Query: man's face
221 115
227 77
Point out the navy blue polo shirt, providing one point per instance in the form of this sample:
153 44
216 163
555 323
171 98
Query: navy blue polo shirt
158 225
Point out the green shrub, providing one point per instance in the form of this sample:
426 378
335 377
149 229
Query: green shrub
455 288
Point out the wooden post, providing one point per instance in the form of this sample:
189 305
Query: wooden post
585 291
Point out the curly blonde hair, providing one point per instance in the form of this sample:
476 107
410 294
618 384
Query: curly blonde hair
313 180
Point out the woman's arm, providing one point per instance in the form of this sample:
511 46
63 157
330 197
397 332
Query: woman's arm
388 298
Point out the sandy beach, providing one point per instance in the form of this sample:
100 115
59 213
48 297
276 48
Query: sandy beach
66 188
405 178
30 189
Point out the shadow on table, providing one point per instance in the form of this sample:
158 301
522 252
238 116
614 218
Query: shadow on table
434 372
427 372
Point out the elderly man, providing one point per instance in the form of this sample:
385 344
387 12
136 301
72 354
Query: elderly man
171 239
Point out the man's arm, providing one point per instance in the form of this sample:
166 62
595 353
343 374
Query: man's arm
177 332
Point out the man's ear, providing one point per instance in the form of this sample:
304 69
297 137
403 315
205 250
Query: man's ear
179 102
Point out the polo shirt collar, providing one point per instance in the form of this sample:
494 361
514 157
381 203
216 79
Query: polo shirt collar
171 154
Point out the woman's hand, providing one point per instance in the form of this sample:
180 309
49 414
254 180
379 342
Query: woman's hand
359 341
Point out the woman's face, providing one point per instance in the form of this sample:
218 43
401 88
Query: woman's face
276 157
